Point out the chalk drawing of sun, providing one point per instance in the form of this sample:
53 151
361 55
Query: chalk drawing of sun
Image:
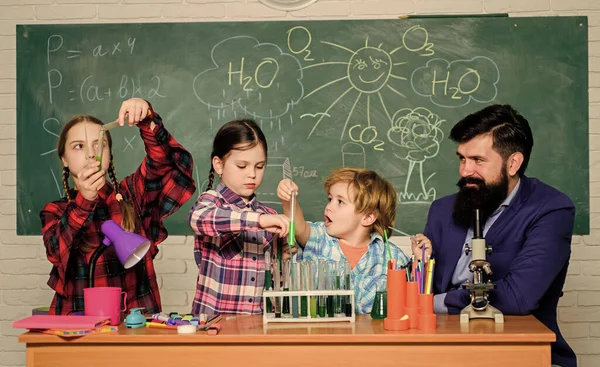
369 69
371 74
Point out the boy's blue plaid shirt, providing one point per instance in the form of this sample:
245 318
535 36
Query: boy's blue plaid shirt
370 270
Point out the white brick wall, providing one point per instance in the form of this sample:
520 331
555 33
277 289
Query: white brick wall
24 268
141 12
509 6
194 11
252 10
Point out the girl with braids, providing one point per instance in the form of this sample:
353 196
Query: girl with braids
233 230
71 226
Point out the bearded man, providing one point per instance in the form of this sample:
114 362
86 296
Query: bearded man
528 224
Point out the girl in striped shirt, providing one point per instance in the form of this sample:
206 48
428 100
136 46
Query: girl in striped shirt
233 229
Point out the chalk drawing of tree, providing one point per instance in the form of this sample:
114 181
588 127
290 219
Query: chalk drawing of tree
416 136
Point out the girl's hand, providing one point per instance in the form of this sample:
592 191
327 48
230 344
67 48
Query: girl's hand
275 223
417 243
284 189
90 180
133 110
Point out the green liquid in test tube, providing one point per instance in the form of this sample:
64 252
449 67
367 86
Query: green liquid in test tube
311 270
278 270
322 276
292 226
338 299
347 286
295 270
304 287
304 306
268 281
331 268
277 287
313 306
285 309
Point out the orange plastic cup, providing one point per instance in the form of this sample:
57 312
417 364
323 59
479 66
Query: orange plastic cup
427 322
413 317
425 304
412 303
412 294
426 319
396 289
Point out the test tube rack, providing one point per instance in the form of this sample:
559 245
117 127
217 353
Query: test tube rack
270 316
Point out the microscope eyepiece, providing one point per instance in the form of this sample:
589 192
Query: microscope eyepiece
477 225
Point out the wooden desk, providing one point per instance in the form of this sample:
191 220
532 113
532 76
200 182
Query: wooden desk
243 341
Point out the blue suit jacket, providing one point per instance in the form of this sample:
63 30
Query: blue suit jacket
531 247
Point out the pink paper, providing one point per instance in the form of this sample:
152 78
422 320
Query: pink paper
60 322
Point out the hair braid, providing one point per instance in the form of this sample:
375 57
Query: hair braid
128 221
65 180
211 178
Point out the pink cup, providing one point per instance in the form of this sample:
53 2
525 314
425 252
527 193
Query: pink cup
104 301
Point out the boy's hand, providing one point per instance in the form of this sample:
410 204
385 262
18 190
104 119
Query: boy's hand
417 243
284 189
275 223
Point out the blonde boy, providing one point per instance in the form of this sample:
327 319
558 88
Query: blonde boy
361 206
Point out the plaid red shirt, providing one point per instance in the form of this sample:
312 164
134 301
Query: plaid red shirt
159 187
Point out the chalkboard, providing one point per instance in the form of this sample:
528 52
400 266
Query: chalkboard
381 94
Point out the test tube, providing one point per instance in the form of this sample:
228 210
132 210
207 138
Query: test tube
268 281
292 226
304 287
322 276
277 287
295 270
347 286
339 300
99 149
312 276
331 269
285 308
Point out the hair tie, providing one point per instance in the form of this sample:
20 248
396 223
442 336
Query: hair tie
119 197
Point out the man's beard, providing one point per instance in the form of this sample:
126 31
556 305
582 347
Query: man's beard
486 197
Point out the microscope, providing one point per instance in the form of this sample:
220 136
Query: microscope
479 308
